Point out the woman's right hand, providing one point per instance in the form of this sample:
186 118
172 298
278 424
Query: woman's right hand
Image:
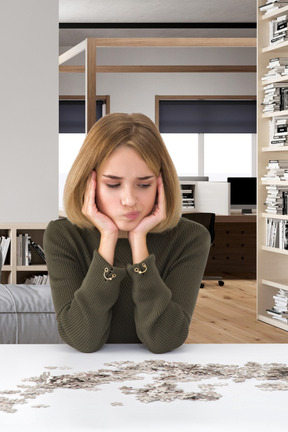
106 227
102 222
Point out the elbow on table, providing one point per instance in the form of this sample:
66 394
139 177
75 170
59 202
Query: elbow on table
85 348
83 344
158 349
166 344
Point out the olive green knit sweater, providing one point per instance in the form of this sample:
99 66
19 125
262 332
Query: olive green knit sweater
154 307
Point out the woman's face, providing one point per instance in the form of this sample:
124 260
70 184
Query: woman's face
126 188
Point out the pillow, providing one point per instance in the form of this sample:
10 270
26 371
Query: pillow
0 261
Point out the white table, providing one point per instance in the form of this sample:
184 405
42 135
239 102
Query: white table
242 407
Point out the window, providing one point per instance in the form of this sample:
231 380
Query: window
229 155
72 135
214 138
183 149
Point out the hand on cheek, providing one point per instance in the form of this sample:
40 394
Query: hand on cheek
102 222
158 213
137 237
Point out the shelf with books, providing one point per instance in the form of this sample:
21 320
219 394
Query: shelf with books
278 47
272 78
12 272
275 182
31 267
276 149
280 284
270 321
275 250
275 216
274 310
273 14
276 33
275 114
280 79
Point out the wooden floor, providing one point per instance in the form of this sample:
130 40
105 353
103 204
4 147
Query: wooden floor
228 315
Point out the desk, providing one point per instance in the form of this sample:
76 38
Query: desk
233 253
242 405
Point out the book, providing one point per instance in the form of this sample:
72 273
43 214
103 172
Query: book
275 97
269 6
37 280
277 233
278 163
4 247
276 199
19 247
38 249
24 247
283 98
285 202
278 30
280 308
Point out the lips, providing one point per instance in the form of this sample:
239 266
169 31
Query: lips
132 215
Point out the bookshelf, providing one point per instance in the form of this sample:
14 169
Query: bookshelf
272 262
11 272
205 196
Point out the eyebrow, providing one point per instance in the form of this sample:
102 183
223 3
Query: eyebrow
113 177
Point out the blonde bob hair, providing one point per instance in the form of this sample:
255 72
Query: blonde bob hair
108 133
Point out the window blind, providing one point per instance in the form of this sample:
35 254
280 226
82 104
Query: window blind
207 116
72 115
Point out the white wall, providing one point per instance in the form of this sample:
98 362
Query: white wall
29 111
136 92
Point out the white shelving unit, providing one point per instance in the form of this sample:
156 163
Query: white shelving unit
272 263
11 272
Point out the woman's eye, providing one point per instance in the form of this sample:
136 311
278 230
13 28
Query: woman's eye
112 185
144 185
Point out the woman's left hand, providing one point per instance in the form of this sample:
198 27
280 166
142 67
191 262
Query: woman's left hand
158 213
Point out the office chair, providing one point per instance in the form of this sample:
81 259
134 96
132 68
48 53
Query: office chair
208 220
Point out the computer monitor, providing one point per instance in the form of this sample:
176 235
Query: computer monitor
243 193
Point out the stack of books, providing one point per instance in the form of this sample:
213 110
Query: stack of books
24 247
187 197
280 309
276 200
277 170
279 138
271 5
278 66
37 280
278 30
277 233
275 97
4 246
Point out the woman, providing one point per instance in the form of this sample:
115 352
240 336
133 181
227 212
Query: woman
124 266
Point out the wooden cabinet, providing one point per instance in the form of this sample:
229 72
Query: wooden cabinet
233 253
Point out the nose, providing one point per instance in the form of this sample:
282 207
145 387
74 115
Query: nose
128 198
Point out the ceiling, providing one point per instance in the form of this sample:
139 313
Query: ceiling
155 18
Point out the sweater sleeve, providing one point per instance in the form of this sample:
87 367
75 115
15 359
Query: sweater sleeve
83 302
164 304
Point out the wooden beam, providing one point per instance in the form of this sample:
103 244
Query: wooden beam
163 69
72 52
90 84
175 42
82 97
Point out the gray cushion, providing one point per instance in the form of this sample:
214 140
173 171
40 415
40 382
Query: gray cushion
27 315
0 261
